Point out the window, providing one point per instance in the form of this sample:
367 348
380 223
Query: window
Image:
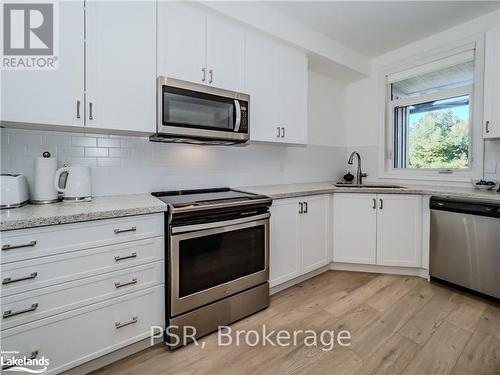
430 115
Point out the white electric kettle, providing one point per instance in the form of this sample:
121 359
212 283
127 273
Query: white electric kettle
76 186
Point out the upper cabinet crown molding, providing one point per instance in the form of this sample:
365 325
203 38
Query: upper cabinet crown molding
332 58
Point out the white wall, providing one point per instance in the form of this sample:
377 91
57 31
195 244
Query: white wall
363 97
326 111
125 165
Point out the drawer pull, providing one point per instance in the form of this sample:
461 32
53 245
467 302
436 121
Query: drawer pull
9 313
10 247
33 355
8 280
119 325
118 231
131 282
118 258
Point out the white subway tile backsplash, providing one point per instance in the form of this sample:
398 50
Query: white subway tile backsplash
125 165
108 142
84 141
96 152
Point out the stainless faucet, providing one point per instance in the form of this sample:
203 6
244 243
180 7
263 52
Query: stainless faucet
359 173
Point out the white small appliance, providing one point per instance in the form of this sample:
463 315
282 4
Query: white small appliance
15 191
74 183
44 191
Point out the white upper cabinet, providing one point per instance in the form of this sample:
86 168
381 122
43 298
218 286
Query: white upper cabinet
182 42
53 97
491 127
399 230
276 79
354 228
225 54
197 46
261 82
293 95
121 69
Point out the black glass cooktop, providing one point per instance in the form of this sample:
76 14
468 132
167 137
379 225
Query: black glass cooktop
203 197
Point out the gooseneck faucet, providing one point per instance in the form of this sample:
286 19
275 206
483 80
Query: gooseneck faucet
359 173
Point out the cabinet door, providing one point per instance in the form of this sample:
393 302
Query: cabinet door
182 41
225 54
354 228
293 95
315 230
399 230
50 96
492 85
285 246
121 70
261 82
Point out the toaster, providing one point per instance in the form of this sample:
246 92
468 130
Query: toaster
15 191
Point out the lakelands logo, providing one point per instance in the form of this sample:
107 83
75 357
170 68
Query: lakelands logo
11 361
29 36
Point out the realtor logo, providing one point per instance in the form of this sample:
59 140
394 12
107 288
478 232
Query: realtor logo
29 32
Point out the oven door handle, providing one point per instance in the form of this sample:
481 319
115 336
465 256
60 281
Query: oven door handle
218 224
238 116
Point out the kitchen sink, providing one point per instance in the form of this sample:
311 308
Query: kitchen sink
372 186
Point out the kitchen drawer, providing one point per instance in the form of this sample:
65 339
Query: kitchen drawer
39 242
72 338
37 273
42 303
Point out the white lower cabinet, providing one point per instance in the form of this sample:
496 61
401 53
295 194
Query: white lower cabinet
67 297
299 237
382 229
80 335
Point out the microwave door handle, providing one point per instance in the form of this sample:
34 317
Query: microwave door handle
238 116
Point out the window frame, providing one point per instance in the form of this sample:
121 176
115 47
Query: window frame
466 90
386 141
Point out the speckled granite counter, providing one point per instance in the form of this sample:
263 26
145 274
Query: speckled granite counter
63 213
299 190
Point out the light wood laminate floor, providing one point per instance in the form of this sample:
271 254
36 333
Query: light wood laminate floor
399 325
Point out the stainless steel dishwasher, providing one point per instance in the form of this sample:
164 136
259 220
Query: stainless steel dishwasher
465 244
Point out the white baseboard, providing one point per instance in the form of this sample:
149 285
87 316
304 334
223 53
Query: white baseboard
407 271
107 359
299 279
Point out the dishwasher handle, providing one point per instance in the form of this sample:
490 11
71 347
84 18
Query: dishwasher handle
466 206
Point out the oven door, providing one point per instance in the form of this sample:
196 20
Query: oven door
212 261
193 110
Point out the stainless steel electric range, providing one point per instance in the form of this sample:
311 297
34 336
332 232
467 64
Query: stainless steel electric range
217 258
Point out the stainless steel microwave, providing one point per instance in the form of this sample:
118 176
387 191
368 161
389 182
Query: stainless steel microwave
196 113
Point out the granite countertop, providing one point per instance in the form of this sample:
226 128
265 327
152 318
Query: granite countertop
314 188
63 213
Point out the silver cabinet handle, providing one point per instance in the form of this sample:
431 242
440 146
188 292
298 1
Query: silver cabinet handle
10 313
487 126
118 258
374 204
279 132
305 207
118 231
91 106
203 74
301 205
131 282
381 204
211 75
131 321
9 280
77 109
33 355
282 132
10 247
